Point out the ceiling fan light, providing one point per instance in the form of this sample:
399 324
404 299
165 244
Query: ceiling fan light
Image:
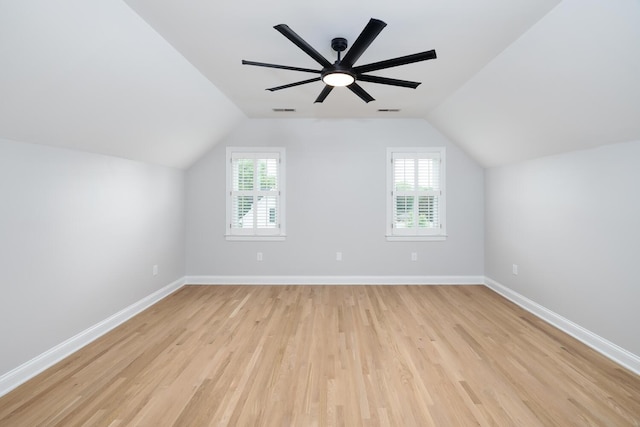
338 79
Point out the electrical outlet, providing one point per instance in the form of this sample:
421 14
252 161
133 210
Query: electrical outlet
414 256
514 269
259 256
155 270
338 256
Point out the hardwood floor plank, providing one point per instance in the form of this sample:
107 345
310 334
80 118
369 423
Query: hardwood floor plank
330 356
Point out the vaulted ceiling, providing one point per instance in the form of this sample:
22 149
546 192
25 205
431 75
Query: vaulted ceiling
162 81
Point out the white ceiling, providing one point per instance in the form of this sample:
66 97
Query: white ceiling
217 36
162 81
92 75
571 82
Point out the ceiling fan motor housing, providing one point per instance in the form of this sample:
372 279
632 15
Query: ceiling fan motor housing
337 68
338 44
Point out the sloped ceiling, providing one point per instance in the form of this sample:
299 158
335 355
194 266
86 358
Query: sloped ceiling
571 82
161 81
92 75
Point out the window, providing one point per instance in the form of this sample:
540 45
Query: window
255 191
416 194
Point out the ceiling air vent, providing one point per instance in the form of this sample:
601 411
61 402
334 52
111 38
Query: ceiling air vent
388 110
284 110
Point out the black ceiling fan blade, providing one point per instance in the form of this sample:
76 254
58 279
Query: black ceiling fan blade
326 91
366 37
355 88
306 47
388 81
282 67
303 82
402 60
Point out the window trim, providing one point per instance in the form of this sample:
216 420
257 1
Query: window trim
256 235
431 235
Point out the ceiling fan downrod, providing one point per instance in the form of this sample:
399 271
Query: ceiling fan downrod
339 44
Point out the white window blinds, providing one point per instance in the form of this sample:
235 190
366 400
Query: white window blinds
417 193
255 194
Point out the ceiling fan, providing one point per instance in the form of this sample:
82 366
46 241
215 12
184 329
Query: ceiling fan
343 72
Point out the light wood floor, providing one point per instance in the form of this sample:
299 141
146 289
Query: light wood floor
330 355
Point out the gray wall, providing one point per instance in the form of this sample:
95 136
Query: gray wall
336 195
79 234
571 223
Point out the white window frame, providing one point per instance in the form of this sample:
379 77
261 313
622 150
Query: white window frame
256 234
416 234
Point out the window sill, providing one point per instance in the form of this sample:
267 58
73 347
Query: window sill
255 238
439 238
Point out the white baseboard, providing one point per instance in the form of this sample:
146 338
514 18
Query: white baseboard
33 367
334 280
596 342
